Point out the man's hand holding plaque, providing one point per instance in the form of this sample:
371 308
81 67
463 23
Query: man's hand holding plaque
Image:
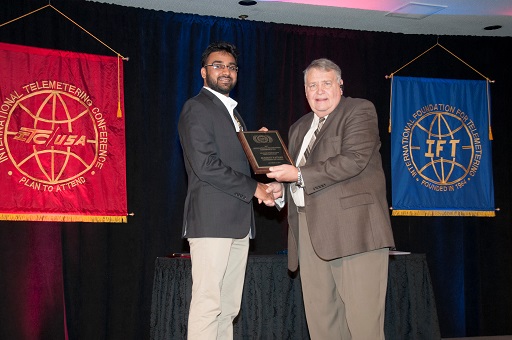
264 149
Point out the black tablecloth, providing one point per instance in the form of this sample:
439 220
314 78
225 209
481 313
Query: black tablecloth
272 306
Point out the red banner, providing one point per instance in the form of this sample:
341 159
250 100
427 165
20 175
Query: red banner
62 143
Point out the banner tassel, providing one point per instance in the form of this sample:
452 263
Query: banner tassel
119 112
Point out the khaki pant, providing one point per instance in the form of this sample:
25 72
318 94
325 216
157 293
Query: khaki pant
344 298
218 273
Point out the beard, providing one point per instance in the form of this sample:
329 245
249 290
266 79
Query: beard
220 84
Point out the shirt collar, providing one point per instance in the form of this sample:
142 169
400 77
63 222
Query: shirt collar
316 119
229 102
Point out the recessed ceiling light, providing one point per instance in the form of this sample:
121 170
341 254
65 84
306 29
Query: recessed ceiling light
247 2
492 28
414 10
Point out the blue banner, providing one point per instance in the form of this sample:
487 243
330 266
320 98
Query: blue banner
441 157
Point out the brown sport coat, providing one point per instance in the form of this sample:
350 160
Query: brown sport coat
345 188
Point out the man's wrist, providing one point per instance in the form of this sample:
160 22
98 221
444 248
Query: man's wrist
300 180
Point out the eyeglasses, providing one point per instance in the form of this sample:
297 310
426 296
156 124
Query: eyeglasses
315 86
218 66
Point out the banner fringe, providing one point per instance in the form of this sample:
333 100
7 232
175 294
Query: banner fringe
443 213
63 218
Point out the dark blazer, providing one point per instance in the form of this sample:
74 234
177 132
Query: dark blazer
345 189
220 187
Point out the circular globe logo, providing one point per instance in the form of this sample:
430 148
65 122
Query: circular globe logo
441 148
265 139
51 137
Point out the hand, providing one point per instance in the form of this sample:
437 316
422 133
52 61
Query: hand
263 196
276 189
284 173
263 129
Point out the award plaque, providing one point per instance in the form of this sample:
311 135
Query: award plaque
264 149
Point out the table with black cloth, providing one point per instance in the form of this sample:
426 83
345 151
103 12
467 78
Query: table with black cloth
272 306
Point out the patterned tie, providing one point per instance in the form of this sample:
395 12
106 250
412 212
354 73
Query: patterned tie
307 152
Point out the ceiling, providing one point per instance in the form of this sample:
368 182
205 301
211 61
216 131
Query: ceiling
453 17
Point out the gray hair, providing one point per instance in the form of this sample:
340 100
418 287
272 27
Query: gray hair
323 64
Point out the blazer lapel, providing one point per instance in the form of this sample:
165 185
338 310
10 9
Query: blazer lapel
214 99
222 107
301 133
334 115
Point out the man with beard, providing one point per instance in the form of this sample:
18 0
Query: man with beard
218 214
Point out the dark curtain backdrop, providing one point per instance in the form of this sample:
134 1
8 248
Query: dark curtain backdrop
93 281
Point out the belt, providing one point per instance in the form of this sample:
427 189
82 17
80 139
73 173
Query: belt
301 209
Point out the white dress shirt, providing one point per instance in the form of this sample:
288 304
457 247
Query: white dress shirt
298 195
